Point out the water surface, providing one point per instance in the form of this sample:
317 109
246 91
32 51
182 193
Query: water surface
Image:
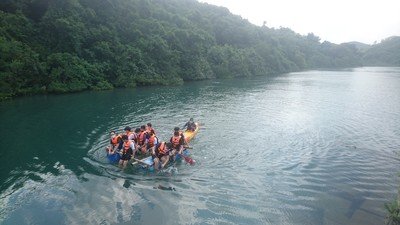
315 147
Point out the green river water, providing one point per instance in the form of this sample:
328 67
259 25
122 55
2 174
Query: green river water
314 147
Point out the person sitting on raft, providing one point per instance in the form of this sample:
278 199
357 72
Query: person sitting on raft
177 129
160 154
150 128
142 140
128 151
177 142
115 143
136 135
152 141
129 133
191 125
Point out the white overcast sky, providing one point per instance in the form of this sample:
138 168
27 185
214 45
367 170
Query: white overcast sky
335 21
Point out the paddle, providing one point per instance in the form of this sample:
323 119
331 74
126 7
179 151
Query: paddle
141 162
188 159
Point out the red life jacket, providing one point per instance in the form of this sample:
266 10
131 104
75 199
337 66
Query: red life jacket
176 141
162 150
152 140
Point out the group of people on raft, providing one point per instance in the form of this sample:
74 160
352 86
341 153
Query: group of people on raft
143 141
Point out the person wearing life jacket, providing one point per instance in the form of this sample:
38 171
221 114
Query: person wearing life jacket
191 125
136 135
152 141
150 128
127 151
115 143
143 139
177 142
129 133
161 154
177 129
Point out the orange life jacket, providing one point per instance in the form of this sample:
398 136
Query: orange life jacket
127 146
142 137
115 140
176 141
152 140
162 150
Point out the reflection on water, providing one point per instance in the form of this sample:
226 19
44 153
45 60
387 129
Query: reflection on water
313 147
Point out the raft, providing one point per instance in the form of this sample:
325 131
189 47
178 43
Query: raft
148 161
113 158
189 135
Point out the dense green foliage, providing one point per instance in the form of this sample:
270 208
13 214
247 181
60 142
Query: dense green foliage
55 46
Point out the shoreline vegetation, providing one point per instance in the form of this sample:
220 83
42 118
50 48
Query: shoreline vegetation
61 46
393 211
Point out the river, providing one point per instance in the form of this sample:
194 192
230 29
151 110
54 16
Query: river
314 147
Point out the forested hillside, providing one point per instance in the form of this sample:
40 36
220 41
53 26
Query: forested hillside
55 46
386 53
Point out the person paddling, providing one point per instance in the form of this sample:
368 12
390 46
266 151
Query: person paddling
115 143
160 155
177 129
128 150
113 155
177 142
191 125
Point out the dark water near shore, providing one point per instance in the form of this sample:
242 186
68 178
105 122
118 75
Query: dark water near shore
316 147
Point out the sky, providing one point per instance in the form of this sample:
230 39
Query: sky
336 21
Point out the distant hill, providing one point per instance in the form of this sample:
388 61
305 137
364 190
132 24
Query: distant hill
358 45
386 53
57 46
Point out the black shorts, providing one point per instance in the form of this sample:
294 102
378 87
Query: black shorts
126 156
159 156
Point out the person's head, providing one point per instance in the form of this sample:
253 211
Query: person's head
176 133
191 119
137 130
149 125
127 129
143 127
112 133
125 138
151 132
176 129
